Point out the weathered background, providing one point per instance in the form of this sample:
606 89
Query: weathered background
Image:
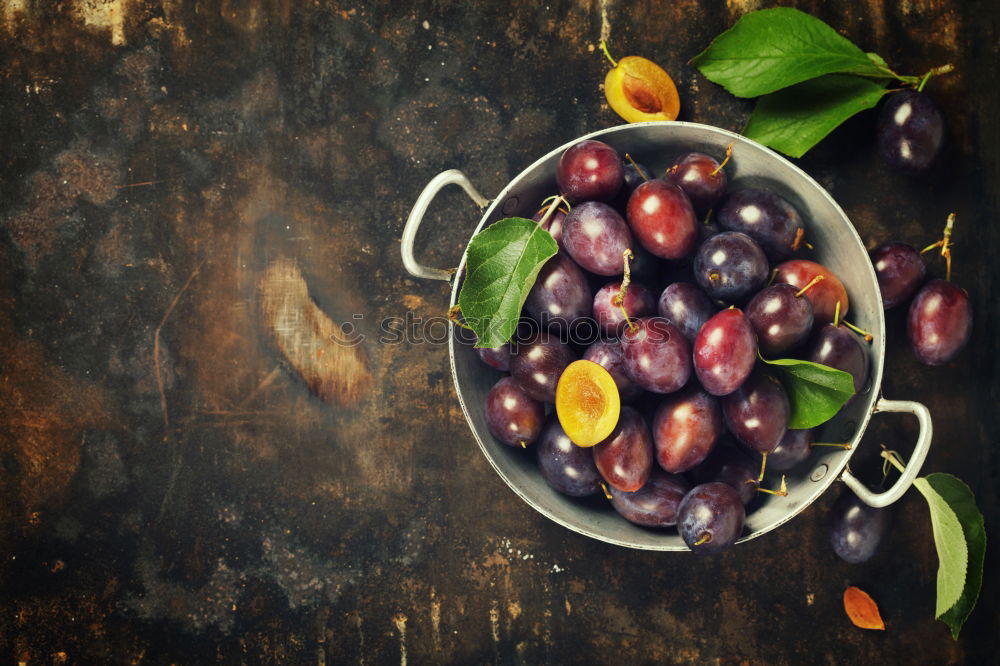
175 174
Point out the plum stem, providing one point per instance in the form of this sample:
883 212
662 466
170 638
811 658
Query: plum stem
763 464
836 315
705 538
945 245
892 458
604 49
546 200
637 168
800 292
839 445
607 493
619 298
729 154
943 69
556 200
781 492
860 331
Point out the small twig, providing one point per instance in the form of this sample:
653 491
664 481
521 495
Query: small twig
156 345
944 244
264 383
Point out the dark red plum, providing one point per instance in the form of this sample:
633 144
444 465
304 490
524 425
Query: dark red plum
900 271
685 428
512 416
857 529
939 322
596 237
496 357
638 302
725 351
686 306
625 458
730 267
537 364
560 295
711 517
568 468
757 412
610 356
590 171
823 294
662 219
781 319
910 131
656 503
793 448
657 357
766 217
701 178
841 348
554 225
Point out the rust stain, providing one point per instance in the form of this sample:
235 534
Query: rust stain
45 413
300 329
78 172
413 301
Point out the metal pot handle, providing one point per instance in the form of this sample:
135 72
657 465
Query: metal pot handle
912 467
436 184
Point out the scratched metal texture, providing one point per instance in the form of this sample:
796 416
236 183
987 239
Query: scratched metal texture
190 476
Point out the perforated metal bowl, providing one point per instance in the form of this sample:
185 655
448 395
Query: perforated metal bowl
838 247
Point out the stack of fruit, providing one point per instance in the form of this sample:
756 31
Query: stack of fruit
661 394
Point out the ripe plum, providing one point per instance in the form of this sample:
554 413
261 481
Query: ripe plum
657 357
512 416
625 458
730 266
590 171
596 236
568 468
766 217
711 517
656 503
939 322
662 219
725 350
685 428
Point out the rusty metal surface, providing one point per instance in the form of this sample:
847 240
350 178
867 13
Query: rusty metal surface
195 198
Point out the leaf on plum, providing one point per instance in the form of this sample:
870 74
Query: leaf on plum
502 262
816 392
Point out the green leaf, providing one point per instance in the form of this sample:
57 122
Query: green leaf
963 503
952 549
816 392
879 62
502 262
772 49
795 119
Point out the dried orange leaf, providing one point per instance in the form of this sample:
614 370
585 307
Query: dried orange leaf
862 609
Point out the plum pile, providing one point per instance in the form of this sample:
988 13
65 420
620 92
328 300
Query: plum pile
672 335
